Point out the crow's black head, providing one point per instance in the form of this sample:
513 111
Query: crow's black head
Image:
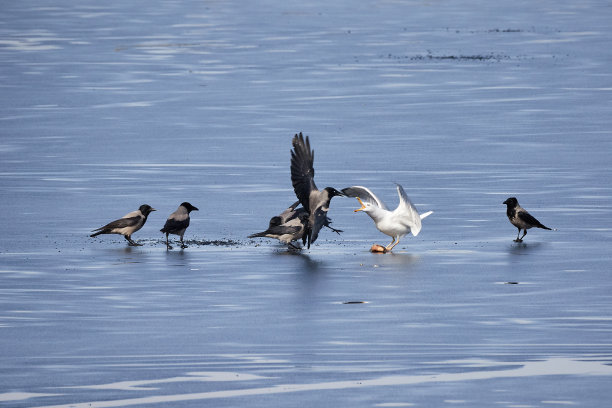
332 192
146 209
189 207
511 202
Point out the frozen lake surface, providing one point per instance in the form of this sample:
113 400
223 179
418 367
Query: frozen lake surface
109 106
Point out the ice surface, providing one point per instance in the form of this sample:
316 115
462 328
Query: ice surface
109 106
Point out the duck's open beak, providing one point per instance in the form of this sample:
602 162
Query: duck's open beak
362 205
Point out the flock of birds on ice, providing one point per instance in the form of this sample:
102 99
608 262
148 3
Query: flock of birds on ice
304 222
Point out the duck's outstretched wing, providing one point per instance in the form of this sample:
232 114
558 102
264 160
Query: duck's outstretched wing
302 170
409 214
365 194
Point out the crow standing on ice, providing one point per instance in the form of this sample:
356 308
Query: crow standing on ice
178 222
520 218
127 225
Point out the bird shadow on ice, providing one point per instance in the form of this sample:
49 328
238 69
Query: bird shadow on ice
400 258
178 255
123 250
308 263
524 248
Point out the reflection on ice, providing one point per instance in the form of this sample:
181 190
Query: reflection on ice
524 248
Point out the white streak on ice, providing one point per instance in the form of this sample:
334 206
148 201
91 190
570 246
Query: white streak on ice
553 366
196 376
20 396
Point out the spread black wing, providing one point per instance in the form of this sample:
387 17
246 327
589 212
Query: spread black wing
302 170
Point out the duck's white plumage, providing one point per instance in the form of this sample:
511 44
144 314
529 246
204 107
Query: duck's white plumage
366 195
396 223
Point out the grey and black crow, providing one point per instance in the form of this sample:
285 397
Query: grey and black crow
315 201
178 222
127 225
289 226
520 218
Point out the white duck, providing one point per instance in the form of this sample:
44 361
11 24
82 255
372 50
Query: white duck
397 223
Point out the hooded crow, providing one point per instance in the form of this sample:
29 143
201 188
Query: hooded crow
315 201
178 222
520 218
397 223
289 226
127 225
